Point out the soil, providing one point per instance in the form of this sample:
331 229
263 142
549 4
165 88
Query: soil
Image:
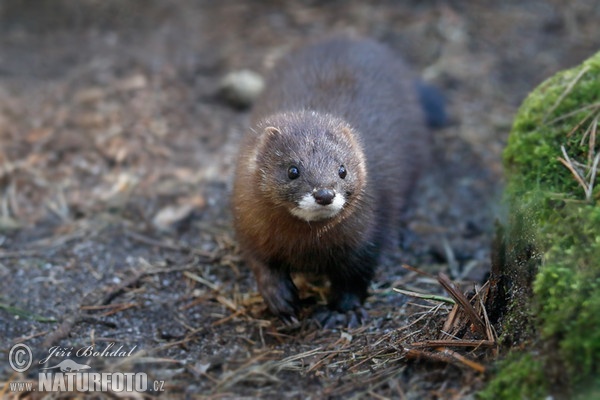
116 155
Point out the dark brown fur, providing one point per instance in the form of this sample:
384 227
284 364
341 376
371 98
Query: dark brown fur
341 101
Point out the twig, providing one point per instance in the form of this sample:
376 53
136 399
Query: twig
112 308
464 360
451 318
63 330
574 112
367 379
576 127
588 188
445 356
169 246
587 130
118 290
41 246
200 279
463 301
28 337
416 354
593 176
418 271
229 317
564 94
491 334
450 257
569 164
592 143
453 343
266 370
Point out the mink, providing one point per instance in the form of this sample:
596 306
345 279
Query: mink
337 142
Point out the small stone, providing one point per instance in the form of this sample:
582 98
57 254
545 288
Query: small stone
168 217
8 224
131 83
241 88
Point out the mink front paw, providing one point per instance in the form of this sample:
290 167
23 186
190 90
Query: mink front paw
330 319
345 310
281 295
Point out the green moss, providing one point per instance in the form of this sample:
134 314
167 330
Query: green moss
592 392
543 124
520 377
564 228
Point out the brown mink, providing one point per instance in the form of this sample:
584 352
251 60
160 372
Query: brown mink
337 140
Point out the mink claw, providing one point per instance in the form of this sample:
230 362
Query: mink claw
289 320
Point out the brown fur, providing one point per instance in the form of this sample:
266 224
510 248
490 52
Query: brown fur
341 101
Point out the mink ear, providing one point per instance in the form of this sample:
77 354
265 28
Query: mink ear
268 136
272 131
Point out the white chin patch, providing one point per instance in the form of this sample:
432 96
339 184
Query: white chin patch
309 210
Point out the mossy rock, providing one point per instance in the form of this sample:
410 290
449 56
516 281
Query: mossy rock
552 238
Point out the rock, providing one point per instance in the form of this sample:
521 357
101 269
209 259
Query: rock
241 88
168 217
546 262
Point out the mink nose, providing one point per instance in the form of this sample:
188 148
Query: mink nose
324 196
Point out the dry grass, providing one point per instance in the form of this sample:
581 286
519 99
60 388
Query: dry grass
585 173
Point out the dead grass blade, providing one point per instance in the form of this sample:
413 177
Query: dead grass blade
258 371
465 361
568 90
588 187
425 296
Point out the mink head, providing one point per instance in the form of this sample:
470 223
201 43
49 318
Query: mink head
310 163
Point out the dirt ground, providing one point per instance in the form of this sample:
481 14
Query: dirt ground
116 154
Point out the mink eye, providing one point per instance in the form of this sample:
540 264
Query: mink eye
293 172
342 171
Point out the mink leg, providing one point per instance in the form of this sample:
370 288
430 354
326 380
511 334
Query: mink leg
348 292
278 291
